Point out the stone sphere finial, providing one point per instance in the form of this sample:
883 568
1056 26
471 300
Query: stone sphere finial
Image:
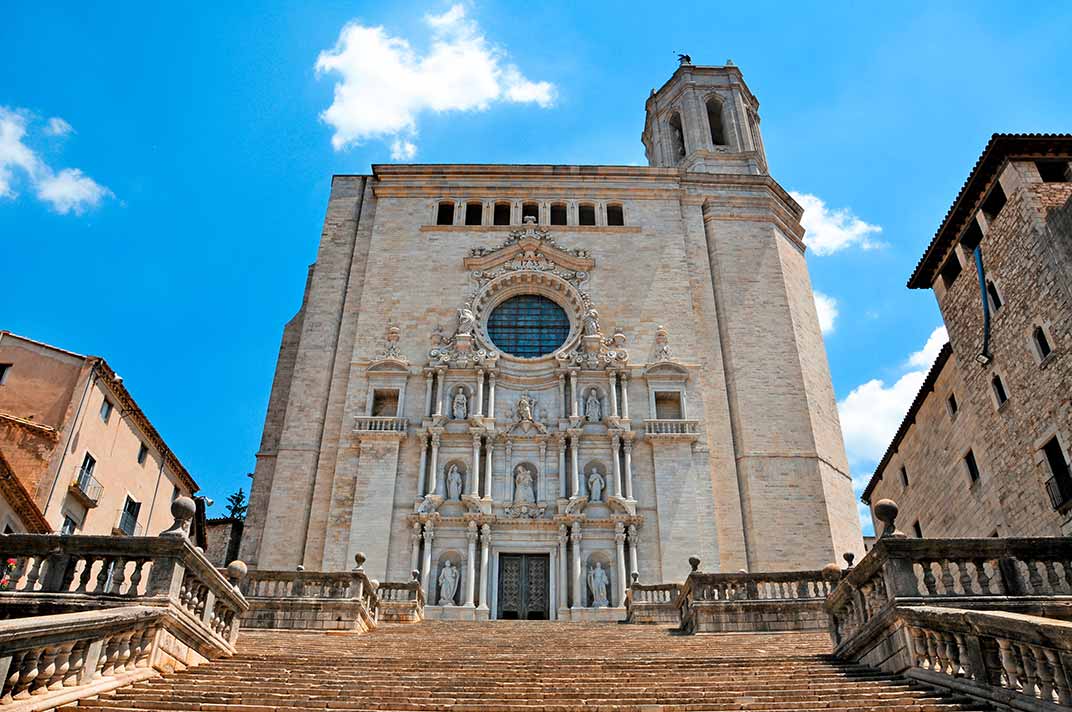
636 577
694 562
849 558
299 568
359 559
237 570
416 574
886 511
182 510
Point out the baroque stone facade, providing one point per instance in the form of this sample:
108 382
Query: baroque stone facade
998 394
526 382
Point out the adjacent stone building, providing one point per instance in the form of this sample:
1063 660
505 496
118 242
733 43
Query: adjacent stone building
77 454
527 382
984 449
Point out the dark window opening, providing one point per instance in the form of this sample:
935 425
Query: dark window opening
972 236
972 465
952 401
474 214
530 210
1042 343
69 527
502 214
994 202
677 138
668 405
714 120
995 298
1054 171
143 453
106 410
1059 486
615 215
586 214
385 403
528 325
558 214
917 530
4 368
999 390
951 270
128 522
445 214
8 529
904 476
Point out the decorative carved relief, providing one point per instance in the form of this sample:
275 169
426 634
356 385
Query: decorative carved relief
662 345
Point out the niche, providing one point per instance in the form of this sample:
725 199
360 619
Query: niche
593 477
599 589
454 480
448 581
385 403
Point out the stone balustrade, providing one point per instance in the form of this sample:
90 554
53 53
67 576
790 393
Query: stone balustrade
1015 660
666 428
652 603
379 424
402 602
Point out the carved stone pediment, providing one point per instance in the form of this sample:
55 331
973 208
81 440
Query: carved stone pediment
531 249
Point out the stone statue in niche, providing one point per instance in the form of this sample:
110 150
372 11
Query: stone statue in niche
466 320
454 483
596 484
593 409
448 584
460 404
524 485
591 323
598 583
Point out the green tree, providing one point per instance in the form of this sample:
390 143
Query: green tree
236 505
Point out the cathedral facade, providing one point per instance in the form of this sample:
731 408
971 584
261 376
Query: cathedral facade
526 383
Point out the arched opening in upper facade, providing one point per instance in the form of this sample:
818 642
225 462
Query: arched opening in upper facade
677 137
714 121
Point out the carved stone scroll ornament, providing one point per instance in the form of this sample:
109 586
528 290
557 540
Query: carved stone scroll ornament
662 345
390 348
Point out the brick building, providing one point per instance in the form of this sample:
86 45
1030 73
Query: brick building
984 449
77 454
559 375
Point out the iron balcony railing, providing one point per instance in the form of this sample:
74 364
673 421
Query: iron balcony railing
88 485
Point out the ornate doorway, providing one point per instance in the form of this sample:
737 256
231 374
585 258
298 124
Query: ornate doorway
523 587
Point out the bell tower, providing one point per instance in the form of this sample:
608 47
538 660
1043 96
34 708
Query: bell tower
704 119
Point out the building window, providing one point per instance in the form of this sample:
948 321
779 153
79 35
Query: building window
904 477
951 402
474 214
528 325
69 526
1042 344
972 236
917 530
1054 171
1059 486
714 120
615 215
502 214
385 402
677 138
530 210
586 214
86 471
106 410
995 297
972 465
128 520
558 213
668 405
994 202
4 368
999 390
950 270
143 453
174 492
445 213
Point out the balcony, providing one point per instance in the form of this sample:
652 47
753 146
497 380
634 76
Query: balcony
380 424
671 429
128 526
1059 487
86 489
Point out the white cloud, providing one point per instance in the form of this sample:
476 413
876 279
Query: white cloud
827 309
924 358
385 84
67 191
829 231
58 127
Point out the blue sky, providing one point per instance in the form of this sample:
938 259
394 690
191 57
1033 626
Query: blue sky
164 169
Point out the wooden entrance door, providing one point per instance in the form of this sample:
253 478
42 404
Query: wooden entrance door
523 587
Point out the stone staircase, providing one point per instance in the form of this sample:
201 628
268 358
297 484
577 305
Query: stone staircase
529 666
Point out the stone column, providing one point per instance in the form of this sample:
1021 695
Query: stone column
560 440
441 384
426 567
510 469
478 407
428 385
485 552
615 478
573 393
491 395
415 540
619 546
488 474
628 446
423 467
563 584
433 487
474 472
574 438
562 395
634 543
578 577
625 395
470 568
613 381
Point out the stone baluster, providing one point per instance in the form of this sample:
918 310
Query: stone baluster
477 408
625 395
1044 671
1060 678
578 580
616 474
562 395
441 386
563 585
422 468
965 577
947 576
619 549
485 554
1009 663
1030 676
474 471
560 442
488 467
426 566
491 395
1052 579
1033 577
627 445
981 576
928 577
433 469
634 544
574 443
470 565
428 386
415 546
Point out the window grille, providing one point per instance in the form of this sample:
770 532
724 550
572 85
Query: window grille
528 325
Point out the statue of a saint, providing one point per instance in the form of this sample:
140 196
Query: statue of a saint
460 405
524 409
524 491
598 583
591 323
596 483
466 320
448 584
593 409
454 483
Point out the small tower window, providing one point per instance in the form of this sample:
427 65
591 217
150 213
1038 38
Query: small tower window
972 465
677 138
586 214
445 213
474 214
558 213
995 297
1042 344
999 390
530 210
951 270
615 215
904 477
1054 171
502 214
951 401
994 202
714 120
